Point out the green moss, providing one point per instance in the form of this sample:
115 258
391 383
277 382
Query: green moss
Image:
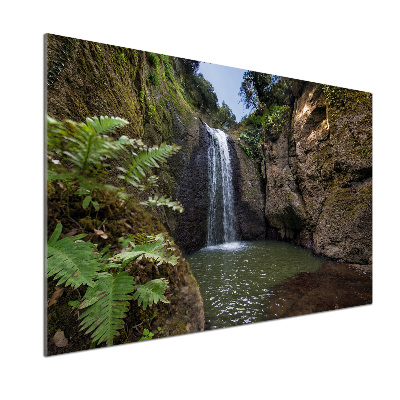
98 80
154 60
336 97
348 203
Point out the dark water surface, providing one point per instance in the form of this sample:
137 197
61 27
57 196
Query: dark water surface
236 279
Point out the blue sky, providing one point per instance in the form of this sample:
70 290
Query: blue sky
226 82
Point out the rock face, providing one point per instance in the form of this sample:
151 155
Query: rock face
190 171
249 196
91 79
319 175
191 168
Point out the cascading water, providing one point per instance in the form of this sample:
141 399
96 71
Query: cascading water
221 214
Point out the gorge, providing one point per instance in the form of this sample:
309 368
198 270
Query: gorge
289 188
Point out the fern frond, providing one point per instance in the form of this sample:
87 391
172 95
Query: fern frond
72 261
105 124
106 305
151 292
89 150
153 251
144 159
84 143
163 201
55 135
66 176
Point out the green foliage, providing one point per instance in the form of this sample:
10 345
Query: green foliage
140 239
335 96
141 97
105 125
201 93
152 111
78 154
256 88
142 159
108 297
107 304
122 56
85 145
74 304
154 60
125 242
151 292
275 119
163 201
224 119
87 148
88 200
153 78
71 261
167 66
252 134
249 143
153 251
190 67
146 335
259 127
259 90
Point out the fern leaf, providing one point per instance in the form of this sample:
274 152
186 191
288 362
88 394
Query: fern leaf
106 305
66 177
163 201
151 292
144 159
71 261
85 144
55 235
105 124
153 251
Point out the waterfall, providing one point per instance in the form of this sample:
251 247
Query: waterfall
221 213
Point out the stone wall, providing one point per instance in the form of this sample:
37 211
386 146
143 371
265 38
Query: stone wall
319 174
249 194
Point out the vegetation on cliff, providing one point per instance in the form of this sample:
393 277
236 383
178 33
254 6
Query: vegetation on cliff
114 271
271 98
313 144
79 156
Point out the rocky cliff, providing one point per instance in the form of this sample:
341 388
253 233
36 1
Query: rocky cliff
190 168
318 174
249 194
87 79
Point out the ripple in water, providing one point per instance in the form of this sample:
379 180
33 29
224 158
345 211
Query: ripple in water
236 278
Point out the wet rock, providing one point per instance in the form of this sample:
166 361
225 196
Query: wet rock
192 192
333 286
249 195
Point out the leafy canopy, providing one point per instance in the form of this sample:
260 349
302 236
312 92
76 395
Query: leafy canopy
225 118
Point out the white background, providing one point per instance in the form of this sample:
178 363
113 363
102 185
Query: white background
347 354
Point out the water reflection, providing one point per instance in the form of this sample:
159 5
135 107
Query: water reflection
236 278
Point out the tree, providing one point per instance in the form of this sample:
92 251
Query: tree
259 90
190 66
224 119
